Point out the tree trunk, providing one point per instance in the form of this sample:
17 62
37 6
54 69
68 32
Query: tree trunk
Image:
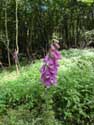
9 57
17 47
7 38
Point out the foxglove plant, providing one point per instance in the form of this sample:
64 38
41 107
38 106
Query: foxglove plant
50 66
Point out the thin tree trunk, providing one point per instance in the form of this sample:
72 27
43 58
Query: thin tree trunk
9 58
17 47
75 32
7 38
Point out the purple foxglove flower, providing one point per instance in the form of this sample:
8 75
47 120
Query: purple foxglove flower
55 54
50 66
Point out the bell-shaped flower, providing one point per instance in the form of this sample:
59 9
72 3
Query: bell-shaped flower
50 67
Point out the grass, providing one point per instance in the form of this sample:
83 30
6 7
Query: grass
23 100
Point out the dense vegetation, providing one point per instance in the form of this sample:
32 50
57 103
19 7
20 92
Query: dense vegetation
25 101
27 28
31 24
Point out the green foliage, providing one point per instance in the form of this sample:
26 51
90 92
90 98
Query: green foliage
25 101
89 37
40 19
87 1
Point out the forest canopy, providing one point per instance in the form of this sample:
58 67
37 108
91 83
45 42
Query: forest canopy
33 23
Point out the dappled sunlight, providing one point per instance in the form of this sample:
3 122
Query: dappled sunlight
88 52
11 76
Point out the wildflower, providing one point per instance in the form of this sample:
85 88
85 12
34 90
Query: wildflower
50 66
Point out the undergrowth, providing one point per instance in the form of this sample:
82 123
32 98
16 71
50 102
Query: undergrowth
25 101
